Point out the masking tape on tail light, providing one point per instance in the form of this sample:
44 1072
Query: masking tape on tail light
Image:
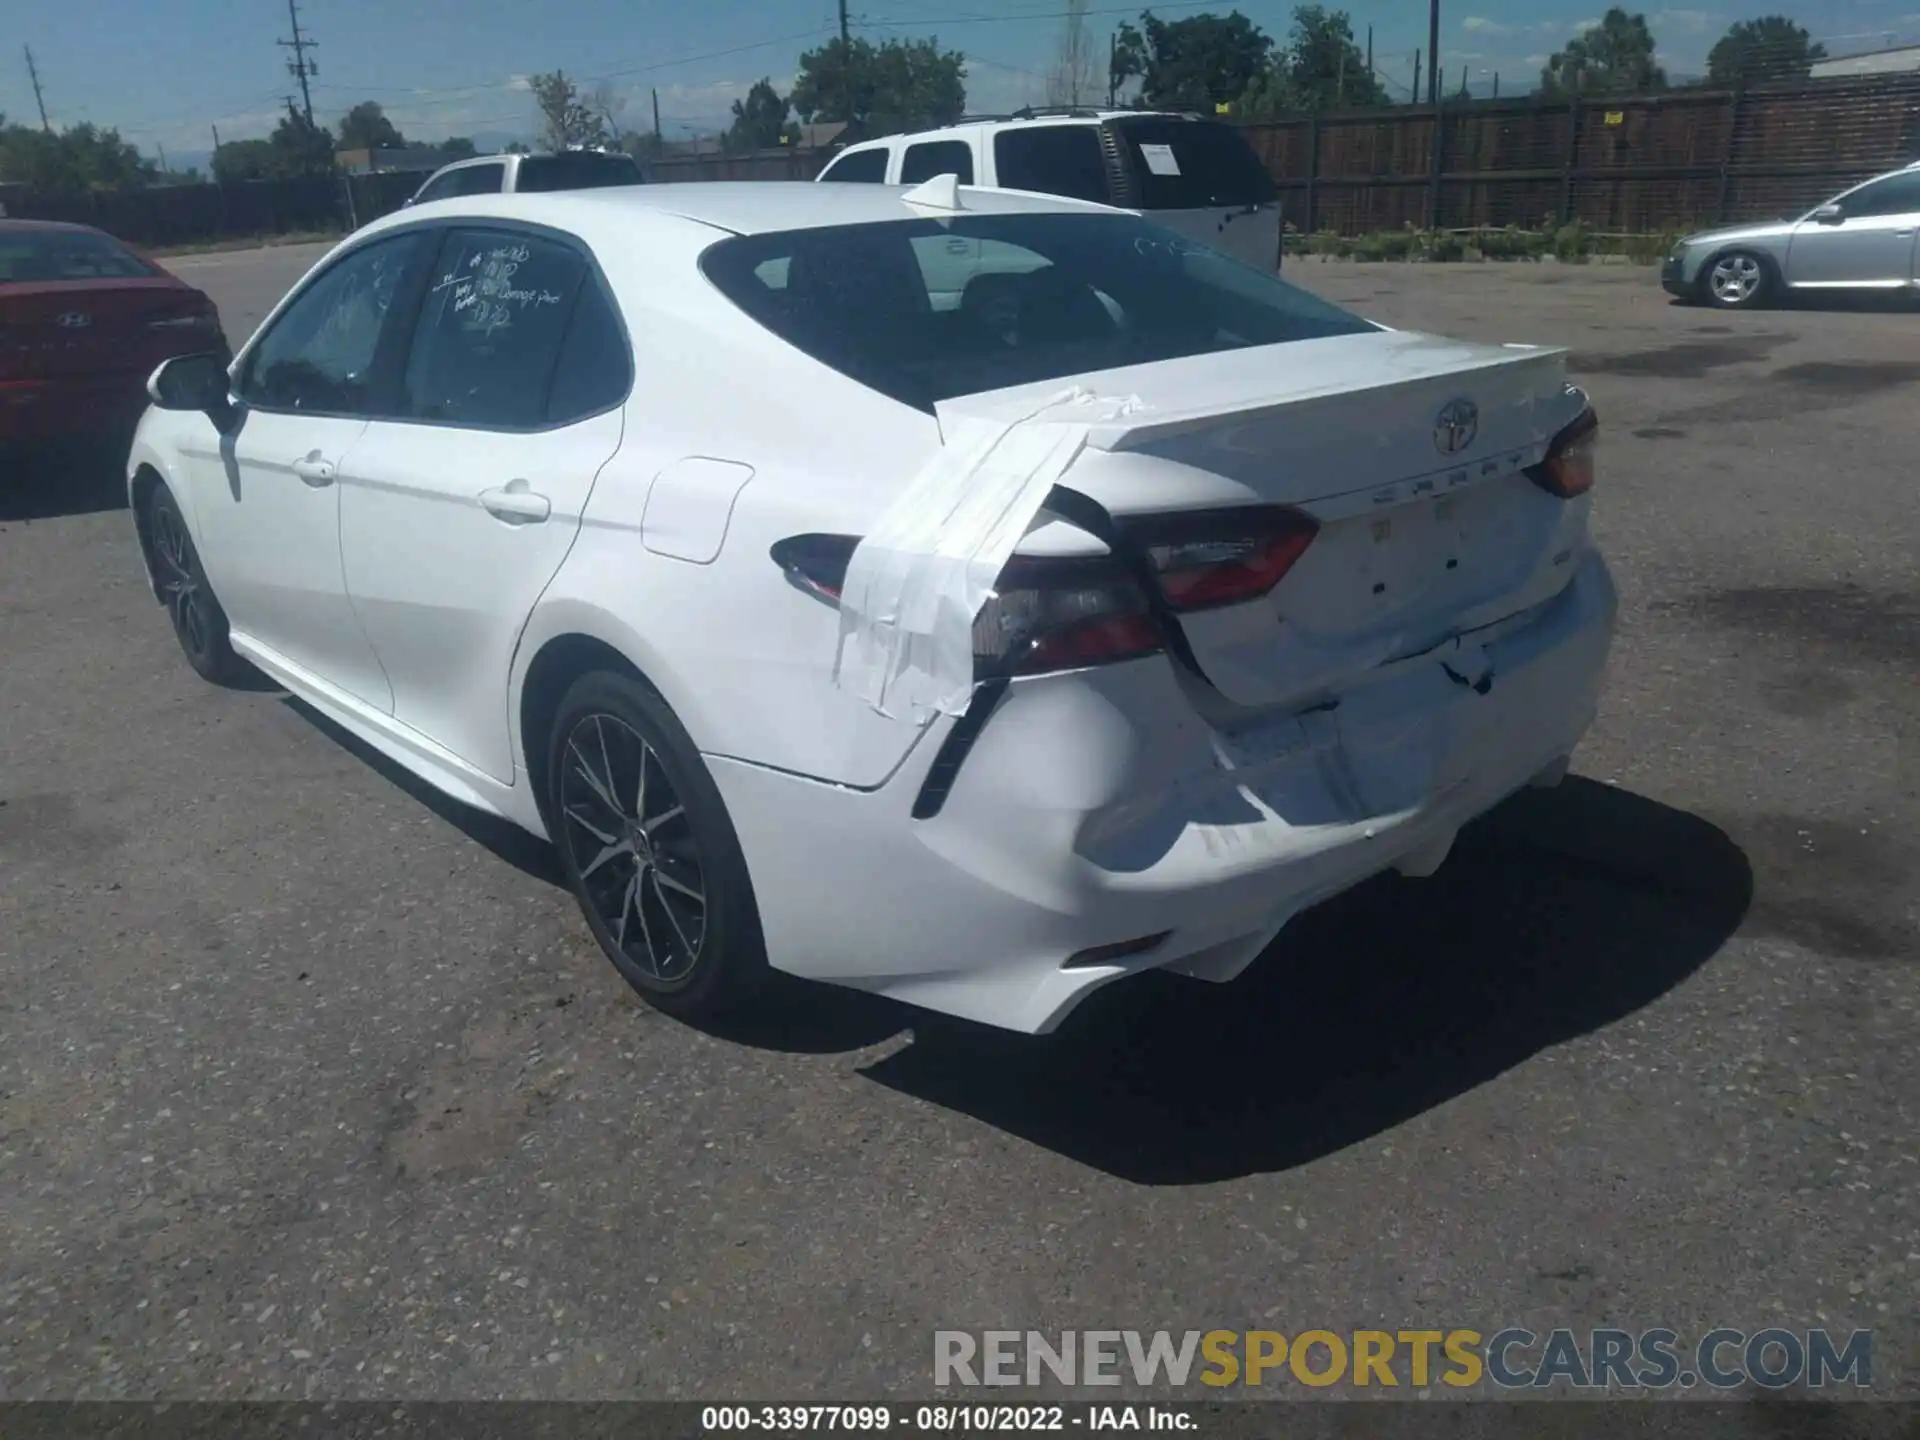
917 580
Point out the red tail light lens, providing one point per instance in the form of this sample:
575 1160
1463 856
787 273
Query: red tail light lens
1044 614
1207 559
1568 470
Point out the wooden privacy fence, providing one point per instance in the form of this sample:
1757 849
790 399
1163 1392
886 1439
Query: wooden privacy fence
1683 160
188 214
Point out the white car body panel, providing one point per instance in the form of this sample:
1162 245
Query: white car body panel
1098 806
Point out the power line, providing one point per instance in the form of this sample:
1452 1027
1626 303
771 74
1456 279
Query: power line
300 67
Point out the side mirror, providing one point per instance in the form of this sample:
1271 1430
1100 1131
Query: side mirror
1829 215
192 383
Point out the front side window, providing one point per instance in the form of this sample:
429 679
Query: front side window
323 353
937 157
866 167
1052 160
1895 195
490 330
1039 297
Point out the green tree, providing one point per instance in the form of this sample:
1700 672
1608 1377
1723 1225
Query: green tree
568 118
79 158
1193 63
1325 69
760 120
899 85
366 127
301 147
458 147
1769 48
237 161
1614 57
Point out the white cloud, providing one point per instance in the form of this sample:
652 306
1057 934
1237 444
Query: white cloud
1536 60
1687 22
1480 25
520 82
1580 25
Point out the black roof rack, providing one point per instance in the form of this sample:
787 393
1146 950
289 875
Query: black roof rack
1033 112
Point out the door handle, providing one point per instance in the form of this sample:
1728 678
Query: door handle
516 504
314 468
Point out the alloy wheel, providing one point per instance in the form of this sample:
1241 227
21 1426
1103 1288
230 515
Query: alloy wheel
1736 279
180 585
632 847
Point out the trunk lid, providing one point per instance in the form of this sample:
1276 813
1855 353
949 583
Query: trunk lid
60 329
1428 524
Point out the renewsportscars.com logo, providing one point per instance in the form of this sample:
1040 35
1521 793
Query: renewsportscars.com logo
1510 1359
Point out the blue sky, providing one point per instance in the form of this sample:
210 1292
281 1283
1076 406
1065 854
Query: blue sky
165 71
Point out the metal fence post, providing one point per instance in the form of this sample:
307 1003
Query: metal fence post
1573 155
1734 107
1439 163
1313 173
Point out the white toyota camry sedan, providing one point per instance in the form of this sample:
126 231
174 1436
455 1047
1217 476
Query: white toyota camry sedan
969 597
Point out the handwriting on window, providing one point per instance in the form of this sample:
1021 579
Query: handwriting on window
487 292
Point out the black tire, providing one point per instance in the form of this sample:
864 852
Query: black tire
199 624
635 857
1737 280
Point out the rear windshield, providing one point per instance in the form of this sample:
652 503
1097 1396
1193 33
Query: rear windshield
924 310
1192 165
584 171
35 256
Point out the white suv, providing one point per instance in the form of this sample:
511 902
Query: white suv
510 174
1194 176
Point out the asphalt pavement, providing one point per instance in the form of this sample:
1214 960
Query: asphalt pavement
312 1085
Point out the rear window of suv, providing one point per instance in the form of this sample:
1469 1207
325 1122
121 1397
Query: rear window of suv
583 171
924 310
1192 165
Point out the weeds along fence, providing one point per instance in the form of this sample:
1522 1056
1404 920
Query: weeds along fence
164 215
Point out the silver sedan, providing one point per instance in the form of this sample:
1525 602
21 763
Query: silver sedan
1862 239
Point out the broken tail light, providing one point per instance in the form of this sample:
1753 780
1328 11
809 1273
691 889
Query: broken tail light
1045 614
1205 559
1568 470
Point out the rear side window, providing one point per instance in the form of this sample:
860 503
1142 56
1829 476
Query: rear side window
1192 165
1053 160
924 310
595 371
584 170
937 157
866 167
30 256
489 336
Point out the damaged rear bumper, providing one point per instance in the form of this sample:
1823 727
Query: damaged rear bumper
1099 827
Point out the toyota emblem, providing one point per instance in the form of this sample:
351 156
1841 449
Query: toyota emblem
73 320
1455 426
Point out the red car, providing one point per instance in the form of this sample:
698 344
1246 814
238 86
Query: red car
83 323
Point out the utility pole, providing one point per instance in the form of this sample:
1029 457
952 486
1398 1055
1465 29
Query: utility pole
1463 83
1414 94
163 158
38 99
1369 50
302 68
1496 84
1433 51
657 142
1113 53
846 62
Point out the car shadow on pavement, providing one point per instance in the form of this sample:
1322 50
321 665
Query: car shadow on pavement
1561 912
45 484
505 839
